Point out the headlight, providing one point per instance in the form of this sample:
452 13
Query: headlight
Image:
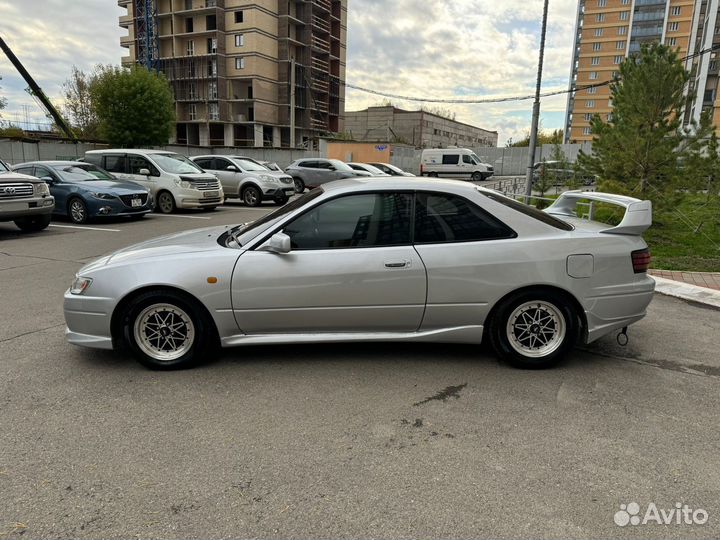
267 178
42 189
103 196
184 184
80 284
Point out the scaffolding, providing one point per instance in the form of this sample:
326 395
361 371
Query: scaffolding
146 38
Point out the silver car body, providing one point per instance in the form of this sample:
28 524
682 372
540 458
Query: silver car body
368 169
416 292
236 173
318 171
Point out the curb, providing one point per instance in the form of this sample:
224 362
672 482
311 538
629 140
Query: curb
685 291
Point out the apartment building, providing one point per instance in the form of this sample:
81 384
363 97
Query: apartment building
607 31
245 73
421 129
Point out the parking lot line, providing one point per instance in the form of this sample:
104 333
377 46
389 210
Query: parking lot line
178 216
83 228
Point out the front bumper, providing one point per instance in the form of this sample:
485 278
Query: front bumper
270 194
20 208
87 320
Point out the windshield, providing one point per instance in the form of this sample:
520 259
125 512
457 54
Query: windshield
371 169
3 167
175 164
248 165
94 170
340 165
476 159
73 173
241 234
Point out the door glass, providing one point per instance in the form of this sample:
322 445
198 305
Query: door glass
448 218
450 159
467 159
115 164
204 163
367 220
135 163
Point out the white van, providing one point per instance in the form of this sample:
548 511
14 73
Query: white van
459 163
174 180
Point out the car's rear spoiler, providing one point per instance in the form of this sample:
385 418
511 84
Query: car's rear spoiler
637 218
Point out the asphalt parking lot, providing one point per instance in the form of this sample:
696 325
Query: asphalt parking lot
371 441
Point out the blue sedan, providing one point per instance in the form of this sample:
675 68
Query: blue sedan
83 190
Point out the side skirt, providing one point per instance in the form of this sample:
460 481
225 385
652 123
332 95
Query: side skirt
459 334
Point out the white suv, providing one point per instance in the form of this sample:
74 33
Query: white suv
174 180
247 180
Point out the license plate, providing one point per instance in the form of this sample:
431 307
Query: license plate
14 207
289 192
210 194
135 203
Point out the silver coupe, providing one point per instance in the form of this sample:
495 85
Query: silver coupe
403 259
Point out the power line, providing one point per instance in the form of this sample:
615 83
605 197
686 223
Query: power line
509 98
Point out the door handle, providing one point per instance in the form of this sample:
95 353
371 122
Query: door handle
397 264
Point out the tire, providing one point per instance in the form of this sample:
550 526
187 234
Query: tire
148 320
518 340
299 185
77 210
33 223
137 217
209 208
433 175
281 200
165 203
251 196
477 176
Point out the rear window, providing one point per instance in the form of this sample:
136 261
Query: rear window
528 210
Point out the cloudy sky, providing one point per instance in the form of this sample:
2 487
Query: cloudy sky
429 49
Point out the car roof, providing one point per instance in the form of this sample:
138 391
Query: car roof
53 163
129 151
410 183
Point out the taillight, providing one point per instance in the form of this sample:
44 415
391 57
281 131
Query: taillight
641 260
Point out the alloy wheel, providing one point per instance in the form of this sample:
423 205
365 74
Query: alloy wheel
164 332
78 212
536 329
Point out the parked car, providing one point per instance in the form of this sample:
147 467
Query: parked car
25 200
460 163
272 166
173 180
247 180
560 173
313 172
390 169
83 191
368 168
374 259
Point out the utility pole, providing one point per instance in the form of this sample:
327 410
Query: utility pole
292 103
536 109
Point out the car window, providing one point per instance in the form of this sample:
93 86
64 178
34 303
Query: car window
136 163
528 210
443 218
41 172
204 163
95 159
340 165
97 172
308 164
467 159
71 173
3 167
115 163
175 164
324 165
353 221
25 170
450 159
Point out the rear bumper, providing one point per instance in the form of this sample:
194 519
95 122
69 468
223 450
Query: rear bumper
607 313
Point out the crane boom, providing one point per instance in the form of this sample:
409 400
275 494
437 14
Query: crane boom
37 91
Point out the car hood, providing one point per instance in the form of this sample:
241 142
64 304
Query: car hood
204 177
12 176
194 241
276 174
115 187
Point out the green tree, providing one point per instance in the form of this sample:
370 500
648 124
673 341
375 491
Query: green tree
544 137
3 102
134 106
79 107
637 150
701 171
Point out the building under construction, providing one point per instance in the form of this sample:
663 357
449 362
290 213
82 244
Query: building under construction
261 73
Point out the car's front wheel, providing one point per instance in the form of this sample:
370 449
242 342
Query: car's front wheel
77 210
299 185
165 330
280 200
477 176
251 196
166 202
33 223
534 329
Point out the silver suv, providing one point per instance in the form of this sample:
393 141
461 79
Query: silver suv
312 172
246 179
24 199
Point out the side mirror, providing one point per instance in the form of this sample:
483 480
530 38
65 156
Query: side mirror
144 172
277 243
231 168
49 180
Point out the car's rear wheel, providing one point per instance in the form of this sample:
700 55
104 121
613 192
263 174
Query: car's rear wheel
477 177
165 330
166 202
433 174
77 210
251 196
33 223
534 329
299 185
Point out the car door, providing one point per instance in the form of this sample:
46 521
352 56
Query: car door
468 257
351 268
309 172
230 180
58 189
134 166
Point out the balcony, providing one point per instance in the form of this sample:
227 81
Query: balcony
320 24
320 44
125 21
322 4
320 65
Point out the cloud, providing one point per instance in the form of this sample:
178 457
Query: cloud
451 48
